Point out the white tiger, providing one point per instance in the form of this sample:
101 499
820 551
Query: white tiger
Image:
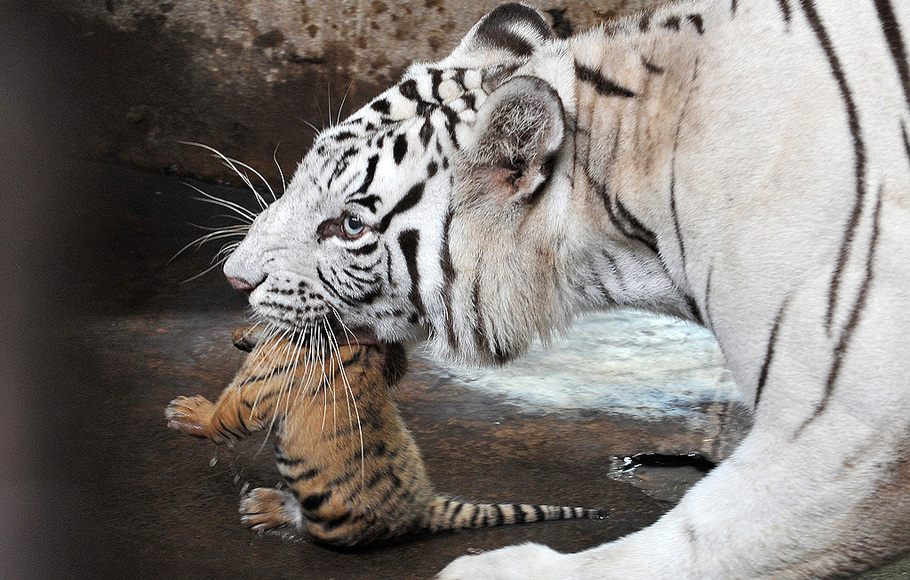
742 164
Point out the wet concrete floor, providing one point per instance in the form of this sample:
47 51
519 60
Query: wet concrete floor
140 501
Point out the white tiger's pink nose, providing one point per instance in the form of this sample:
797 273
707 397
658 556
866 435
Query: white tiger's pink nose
241 284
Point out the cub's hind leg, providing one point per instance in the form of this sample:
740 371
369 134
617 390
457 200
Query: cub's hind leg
267 508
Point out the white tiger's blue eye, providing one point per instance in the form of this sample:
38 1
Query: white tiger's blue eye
353 227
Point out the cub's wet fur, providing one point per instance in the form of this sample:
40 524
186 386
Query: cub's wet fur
354 473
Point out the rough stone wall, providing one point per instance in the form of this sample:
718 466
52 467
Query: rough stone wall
247 76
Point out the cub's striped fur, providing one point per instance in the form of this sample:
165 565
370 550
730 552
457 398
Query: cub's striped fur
353 471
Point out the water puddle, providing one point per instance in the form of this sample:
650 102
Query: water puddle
664 477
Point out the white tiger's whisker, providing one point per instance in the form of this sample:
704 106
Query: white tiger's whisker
249 184
200 241
310 369
243 226
325 383
242 218
272 335
333 353
227 249
218 259
343 100
310 125
262 200
261 361
206 271
313 358
348 333
232 165
303 381
284 186
235 207
328 92
349 394
286 359
296 347
321 118
318 377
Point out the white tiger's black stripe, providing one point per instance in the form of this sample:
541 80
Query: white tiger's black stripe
769 353
400 148
448 279
633 229
364 250
651 67
859 149
906 141
892 32
785 12
334 288
708 318
843 342
673 209
482 341
408 202
601 84
408 243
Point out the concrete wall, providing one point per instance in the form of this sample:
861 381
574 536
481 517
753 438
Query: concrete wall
247 75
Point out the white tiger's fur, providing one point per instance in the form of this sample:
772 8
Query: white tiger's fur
744 165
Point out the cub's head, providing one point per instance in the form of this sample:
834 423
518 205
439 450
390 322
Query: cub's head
428 213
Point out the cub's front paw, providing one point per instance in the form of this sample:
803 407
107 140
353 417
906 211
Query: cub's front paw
524 562
191 415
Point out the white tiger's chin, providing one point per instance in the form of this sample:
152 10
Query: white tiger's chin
361 336
328 331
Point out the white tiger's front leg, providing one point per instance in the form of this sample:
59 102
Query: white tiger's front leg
771 510
527 561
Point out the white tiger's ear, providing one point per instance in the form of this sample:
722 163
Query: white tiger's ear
508 34
511 151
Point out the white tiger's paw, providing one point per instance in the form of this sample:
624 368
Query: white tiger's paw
524 562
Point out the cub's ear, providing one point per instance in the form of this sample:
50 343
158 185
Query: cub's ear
508 34
246 338
512 149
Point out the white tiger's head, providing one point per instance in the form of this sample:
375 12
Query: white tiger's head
428 213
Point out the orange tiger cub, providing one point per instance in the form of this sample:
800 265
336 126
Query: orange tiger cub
354 473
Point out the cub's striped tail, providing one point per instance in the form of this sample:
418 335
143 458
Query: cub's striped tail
449 514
